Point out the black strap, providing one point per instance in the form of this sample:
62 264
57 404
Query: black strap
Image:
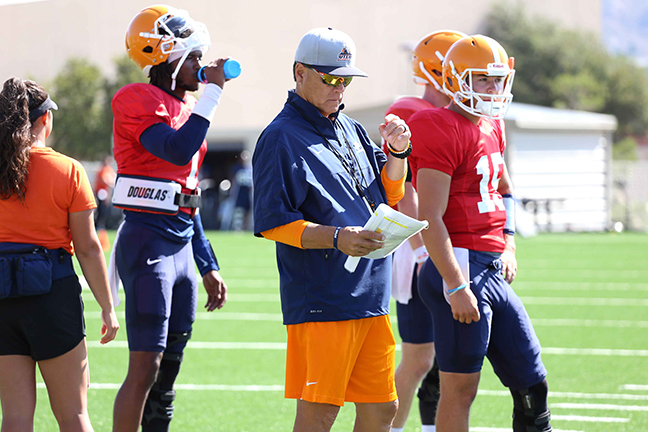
349 166
186 200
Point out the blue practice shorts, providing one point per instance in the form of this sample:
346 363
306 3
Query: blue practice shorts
504 333
414 318
160 285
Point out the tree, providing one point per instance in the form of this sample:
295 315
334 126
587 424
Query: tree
84 120
80 130
570 69
626 149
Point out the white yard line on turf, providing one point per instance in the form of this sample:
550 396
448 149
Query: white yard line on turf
637 387
282 346
492 429
580 286
595 352
573 395
540 322
578 301
277 317
590 419
519 285
260 388
599 407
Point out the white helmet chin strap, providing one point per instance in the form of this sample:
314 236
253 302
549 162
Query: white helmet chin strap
185 54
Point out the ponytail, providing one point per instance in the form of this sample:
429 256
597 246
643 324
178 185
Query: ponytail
16 99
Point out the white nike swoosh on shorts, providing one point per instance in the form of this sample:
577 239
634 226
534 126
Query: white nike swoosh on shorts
149 261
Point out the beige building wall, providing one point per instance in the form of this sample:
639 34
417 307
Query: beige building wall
38 37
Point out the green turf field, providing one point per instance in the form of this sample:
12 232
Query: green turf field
586 293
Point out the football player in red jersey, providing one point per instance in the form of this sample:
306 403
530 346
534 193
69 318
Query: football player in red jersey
465 193
159 135
414 319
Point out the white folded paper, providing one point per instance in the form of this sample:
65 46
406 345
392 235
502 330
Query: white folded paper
395 226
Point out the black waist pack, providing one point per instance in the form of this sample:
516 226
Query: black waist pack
27 269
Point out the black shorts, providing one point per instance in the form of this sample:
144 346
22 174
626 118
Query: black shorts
43 326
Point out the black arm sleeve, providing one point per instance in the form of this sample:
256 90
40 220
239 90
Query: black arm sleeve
175 146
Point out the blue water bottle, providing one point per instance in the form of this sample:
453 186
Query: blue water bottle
231 69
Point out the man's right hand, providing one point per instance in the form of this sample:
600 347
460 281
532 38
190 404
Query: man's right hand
464 306
214 72
356 241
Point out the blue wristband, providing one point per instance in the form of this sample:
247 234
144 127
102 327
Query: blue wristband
335 237
460 287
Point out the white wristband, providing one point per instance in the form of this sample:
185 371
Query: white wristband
509 206
208 102
421 254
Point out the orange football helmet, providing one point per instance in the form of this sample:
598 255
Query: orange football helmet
162 33
427 58
472 56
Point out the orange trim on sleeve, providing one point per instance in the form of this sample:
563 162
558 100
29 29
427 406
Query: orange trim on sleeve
289 234
394 189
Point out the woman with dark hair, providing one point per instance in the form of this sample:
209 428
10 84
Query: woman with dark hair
46 205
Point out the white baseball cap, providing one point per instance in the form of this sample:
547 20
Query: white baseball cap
329 51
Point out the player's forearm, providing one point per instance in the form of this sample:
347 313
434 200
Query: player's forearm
409 205
509 241
202 250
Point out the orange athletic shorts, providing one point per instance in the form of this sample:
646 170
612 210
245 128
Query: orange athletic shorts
341 361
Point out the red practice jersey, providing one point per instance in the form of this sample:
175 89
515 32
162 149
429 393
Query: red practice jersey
137 107
472 155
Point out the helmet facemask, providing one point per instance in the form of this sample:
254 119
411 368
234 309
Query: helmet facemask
487 105
466 61
179 36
